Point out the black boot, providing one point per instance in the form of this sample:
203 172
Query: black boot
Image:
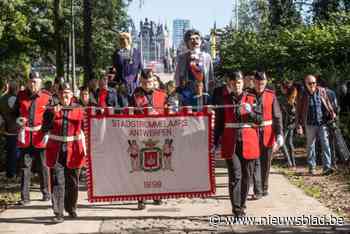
141 205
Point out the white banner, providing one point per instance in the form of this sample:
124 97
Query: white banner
144 157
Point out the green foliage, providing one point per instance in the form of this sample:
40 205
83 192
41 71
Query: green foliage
27 32
291 53
283 13
253 15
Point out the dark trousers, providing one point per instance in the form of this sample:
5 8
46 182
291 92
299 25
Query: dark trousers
65 187
257 185
288 147
12 155
265 161
27 156
240 171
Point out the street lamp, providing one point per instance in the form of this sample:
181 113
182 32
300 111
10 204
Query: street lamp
74 82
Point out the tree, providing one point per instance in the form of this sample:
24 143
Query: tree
260 15
324 9
38 30
59 39
252 15
88 63
24 31
283 13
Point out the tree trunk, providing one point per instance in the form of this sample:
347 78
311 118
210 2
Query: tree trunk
88 62
59 40
324 8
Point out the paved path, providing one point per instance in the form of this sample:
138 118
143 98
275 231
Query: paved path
174 216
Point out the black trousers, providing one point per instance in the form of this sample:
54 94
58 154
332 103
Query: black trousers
257 184
27 156
65 187
288 147
265 161
240 172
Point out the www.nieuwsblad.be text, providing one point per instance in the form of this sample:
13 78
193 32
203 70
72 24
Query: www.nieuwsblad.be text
304 220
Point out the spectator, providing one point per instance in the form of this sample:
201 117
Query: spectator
8 114
200 98
173 100
48 86
93 87
249 81
123 97
314 110
288 108
106 96
185 93
84 97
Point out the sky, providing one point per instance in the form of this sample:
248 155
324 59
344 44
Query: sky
201 13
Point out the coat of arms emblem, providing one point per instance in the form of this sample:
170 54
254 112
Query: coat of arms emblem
151 157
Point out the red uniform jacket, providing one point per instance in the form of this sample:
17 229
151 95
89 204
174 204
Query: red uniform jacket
30 134
74 138
250 139
267 110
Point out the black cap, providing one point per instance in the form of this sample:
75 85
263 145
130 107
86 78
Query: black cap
34 75
260 76
147 73
65 86
232 74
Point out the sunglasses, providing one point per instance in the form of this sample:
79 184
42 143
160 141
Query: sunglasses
311 83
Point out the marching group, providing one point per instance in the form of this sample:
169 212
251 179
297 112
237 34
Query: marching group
45 122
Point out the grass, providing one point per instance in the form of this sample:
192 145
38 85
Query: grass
9 193
299 181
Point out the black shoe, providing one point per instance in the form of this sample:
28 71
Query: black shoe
46 198
265 193
73 214
141 205
58 219
257 197
23 202
328 172
157 202
239 213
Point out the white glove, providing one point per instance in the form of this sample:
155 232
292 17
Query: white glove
11 101
247 107
280 140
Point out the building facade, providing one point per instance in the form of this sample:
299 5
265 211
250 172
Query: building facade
153 40
180 26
